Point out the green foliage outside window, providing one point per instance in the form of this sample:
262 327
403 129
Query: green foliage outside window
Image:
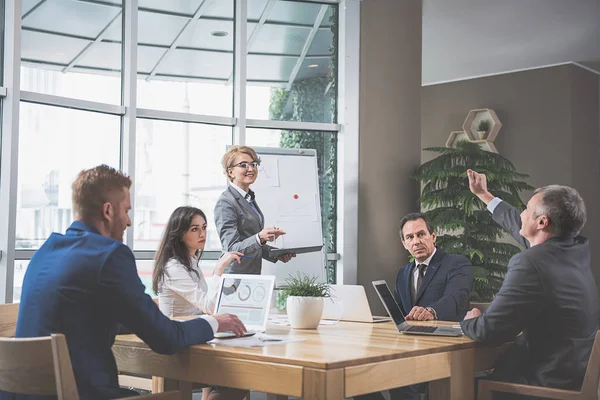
463 223
315 100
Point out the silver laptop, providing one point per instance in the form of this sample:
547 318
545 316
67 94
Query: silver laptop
248 297
386 297
349 303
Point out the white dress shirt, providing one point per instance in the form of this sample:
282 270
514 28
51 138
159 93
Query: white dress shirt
416 270
185 293
493 204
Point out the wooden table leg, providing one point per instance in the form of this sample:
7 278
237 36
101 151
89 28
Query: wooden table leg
323 385
461 384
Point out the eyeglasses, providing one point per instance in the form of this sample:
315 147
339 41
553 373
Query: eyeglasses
246 164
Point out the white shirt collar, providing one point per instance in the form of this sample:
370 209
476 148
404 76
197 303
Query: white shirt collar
426 262
239 189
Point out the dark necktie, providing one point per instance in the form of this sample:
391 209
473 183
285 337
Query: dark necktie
420 276
250 199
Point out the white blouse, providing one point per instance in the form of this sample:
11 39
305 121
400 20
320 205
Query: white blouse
185 293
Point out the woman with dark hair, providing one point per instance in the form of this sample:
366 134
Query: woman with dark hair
177 279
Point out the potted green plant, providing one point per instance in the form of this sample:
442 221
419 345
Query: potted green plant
462 222
483 128
305 300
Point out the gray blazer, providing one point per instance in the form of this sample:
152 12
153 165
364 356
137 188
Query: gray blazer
550 295
237 225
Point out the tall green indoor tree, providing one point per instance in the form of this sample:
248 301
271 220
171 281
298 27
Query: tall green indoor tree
463 223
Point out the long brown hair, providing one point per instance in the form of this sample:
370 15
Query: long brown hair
172 245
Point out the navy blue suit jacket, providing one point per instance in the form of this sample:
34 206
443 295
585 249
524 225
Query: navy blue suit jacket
82 284
446 286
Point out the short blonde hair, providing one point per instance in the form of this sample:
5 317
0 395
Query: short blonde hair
229 158
93 187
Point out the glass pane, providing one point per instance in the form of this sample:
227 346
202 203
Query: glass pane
20 268
284 85
177 164
146 267
55 144
66 51
186 65
325 143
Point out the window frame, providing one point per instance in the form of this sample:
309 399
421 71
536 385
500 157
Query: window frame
348 90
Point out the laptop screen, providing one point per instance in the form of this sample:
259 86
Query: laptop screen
388 301
248 297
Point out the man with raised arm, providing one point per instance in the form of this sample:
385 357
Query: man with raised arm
549 295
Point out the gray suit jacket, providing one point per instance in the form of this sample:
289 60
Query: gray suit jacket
237 225
550 295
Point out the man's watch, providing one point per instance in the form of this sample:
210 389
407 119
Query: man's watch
432 311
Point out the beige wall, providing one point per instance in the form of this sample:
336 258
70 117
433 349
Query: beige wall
550 127
389 145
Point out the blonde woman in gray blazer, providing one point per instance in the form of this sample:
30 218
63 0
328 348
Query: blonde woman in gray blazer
240 222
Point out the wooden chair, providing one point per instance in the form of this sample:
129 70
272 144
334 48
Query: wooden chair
42 366
589 389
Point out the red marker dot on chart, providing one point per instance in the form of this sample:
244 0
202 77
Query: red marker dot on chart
295 196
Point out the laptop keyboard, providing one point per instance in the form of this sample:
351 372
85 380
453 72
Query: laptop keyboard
426 329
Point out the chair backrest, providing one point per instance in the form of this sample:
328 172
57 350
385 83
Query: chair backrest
592 373
8 319
37 366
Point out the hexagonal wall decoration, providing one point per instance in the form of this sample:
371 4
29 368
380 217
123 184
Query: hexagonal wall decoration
456 137
476 131
479 116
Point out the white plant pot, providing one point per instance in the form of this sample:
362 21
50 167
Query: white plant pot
304 312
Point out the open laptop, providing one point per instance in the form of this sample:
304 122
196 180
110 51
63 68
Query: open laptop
248 297
349 303
384 293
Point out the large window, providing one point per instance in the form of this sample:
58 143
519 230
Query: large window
156 88
187 64
177 164
54 145
72 48
291 62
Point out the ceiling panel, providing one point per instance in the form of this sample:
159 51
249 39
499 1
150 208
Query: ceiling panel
308 69
468 38
71 17
179 6
102 55
199 35
279 39
148 57
196 63
322 42
28 5
55 48
270 68
149 32
297 13
219 9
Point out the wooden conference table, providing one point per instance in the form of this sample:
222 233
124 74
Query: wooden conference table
333 362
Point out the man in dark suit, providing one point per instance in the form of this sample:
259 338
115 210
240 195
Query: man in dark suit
85 282
436 285
549 293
